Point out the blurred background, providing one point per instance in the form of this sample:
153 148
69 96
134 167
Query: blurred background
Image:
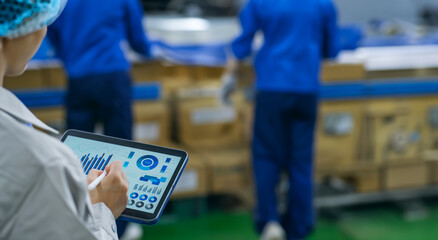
376 174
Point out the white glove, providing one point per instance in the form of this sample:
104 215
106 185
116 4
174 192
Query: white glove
227 88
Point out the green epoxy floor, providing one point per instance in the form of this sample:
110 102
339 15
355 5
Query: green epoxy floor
372 223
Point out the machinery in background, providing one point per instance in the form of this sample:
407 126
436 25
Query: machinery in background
195 8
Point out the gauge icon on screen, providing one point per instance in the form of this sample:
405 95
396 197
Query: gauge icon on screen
149 206
147 162
143 197
152 199
134 195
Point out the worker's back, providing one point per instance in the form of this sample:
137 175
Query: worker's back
88 35
297 34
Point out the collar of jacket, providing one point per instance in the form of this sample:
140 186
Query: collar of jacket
10 104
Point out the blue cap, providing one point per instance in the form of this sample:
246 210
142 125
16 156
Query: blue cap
21 17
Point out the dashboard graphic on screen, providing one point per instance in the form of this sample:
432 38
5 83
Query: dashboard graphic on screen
148 173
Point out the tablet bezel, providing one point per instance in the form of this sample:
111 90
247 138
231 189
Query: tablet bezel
131 214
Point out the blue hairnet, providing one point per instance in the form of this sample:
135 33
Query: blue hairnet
21 17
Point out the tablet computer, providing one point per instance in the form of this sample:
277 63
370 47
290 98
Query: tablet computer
152 171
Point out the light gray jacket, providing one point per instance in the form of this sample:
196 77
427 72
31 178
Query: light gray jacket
43 190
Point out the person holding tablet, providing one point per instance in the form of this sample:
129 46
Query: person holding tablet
43 187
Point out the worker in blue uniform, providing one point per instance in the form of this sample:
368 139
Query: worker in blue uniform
89 38
297 35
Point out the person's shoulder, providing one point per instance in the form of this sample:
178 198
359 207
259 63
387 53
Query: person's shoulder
27 145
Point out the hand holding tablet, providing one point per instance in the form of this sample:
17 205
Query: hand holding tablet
152 171
113 188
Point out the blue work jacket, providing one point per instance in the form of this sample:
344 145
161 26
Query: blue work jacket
87 36
297 35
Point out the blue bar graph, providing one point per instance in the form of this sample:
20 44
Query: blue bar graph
163 169
101 163
87 170
88 164
168 160
85 160
96 162
131 154
106 162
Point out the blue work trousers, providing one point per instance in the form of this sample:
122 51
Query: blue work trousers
105 98
283 141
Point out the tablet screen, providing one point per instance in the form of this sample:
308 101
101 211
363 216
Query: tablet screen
148 173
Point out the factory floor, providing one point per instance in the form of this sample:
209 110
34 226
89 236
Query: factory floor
379 222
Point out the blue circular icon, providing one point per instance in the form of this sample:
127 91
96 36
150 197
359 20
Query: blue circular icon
134 195
143 197
147 162
152 199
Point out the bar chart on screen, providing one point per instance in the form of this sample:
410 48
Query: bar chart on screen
98 162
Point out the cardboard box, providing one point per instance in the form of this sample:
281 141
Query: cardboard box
403 73
333 72
183 72
203 122
408 175
434 172
427 112
392 131
247 118
147 71
229 170
338 134
368 181
55 77
30 79
54 117
209 73
193 181
152 122
364 177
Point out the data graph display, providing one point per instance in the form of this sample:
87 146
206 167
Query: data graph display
148 173
96 162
